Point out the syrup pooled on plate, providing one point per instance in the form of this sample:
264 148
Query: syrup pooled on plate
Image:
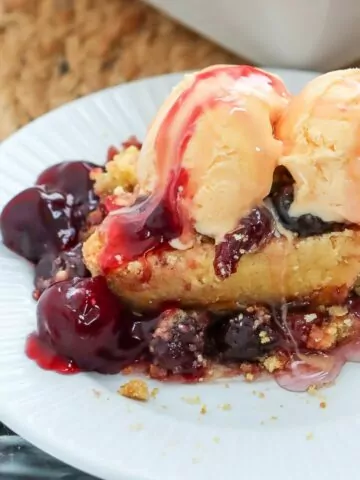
46 357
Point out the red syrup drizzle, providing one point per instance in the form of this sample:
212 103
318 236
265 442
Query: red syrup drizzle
130 233
143 227
46 358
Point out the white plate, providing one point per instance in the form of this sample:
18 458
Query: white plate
166 438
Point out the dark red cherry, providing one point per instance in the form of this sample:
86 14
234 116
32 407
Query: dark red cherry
252 232
37 221
84 321
178 342
304 225
242 337
54 268
71 177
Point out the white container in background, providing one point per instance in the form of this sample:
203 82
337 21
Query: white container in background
307 34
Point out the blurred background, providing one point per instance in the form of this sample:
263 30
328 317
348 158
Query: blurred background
53 51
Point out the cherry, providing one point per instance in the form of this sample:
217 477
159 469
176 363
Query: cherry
81 319
242 337
304 225
73 178
252 232
54 268
37 221
178 342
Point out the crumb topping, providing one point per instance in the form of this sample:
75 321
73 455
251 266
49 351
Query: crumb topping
119 176
136 390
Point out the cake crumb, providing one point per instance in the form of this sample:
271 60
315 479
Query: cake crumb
225 406
323 404
136 390
216 440
310 317
154 392
338 311
310 436
348 322
136 427
203 410
312 390
273 363
97 393
273 417
258 394
249 377
264 337
192 400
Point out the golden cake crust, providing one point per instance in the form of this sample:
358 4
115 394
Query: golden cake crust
285 269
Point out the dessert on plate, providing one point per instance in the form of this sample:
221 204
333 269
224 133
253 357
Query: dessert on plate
226 243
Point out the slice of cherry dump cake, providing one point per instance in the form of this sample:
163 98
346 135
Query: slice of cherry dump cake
227 243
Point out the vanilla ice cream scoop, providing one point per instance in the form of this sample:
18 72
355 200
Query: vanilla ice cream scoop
207 160
212 140
320 130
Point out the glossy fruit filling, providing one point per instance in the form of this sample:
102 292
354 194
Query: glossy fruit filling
305 225
82 325
142 228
